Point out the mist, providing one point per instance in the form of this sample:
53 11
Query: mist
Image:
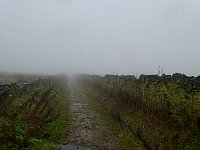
100 37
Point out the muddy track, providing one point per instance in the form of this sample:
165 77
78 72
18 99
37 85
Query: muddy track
87 128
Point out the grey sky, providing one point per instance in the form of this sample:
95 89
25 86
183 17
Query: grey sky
100 36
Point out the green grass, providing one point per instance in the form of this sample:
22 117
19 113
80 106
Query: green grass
40 144
17 128
7 80
53 131
60 126
153 131
126 139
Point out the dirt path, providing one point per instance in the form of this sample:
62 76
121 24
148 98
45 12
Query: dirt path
87 129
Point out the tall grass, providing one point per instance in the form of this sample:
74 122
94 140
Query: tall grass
34 119
163 112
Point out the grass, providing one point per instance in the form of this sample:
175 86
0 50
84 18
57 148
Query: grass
154 128
16 125
7 80
60 126
40 144
126 139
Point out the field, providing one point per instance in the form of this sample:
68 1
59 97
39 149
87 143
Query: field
93 112
162 111
33 111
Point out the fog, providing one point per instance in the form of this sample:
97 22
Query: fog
100 36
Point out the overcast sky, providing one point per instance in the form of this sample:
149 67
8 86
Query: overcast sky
100 36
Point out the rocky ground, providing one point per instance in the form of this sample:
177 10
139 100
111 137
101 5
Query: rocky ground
87 128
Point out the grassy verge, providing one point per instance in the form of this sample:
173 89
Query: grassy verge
36 119
126 139
55 129
153 131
